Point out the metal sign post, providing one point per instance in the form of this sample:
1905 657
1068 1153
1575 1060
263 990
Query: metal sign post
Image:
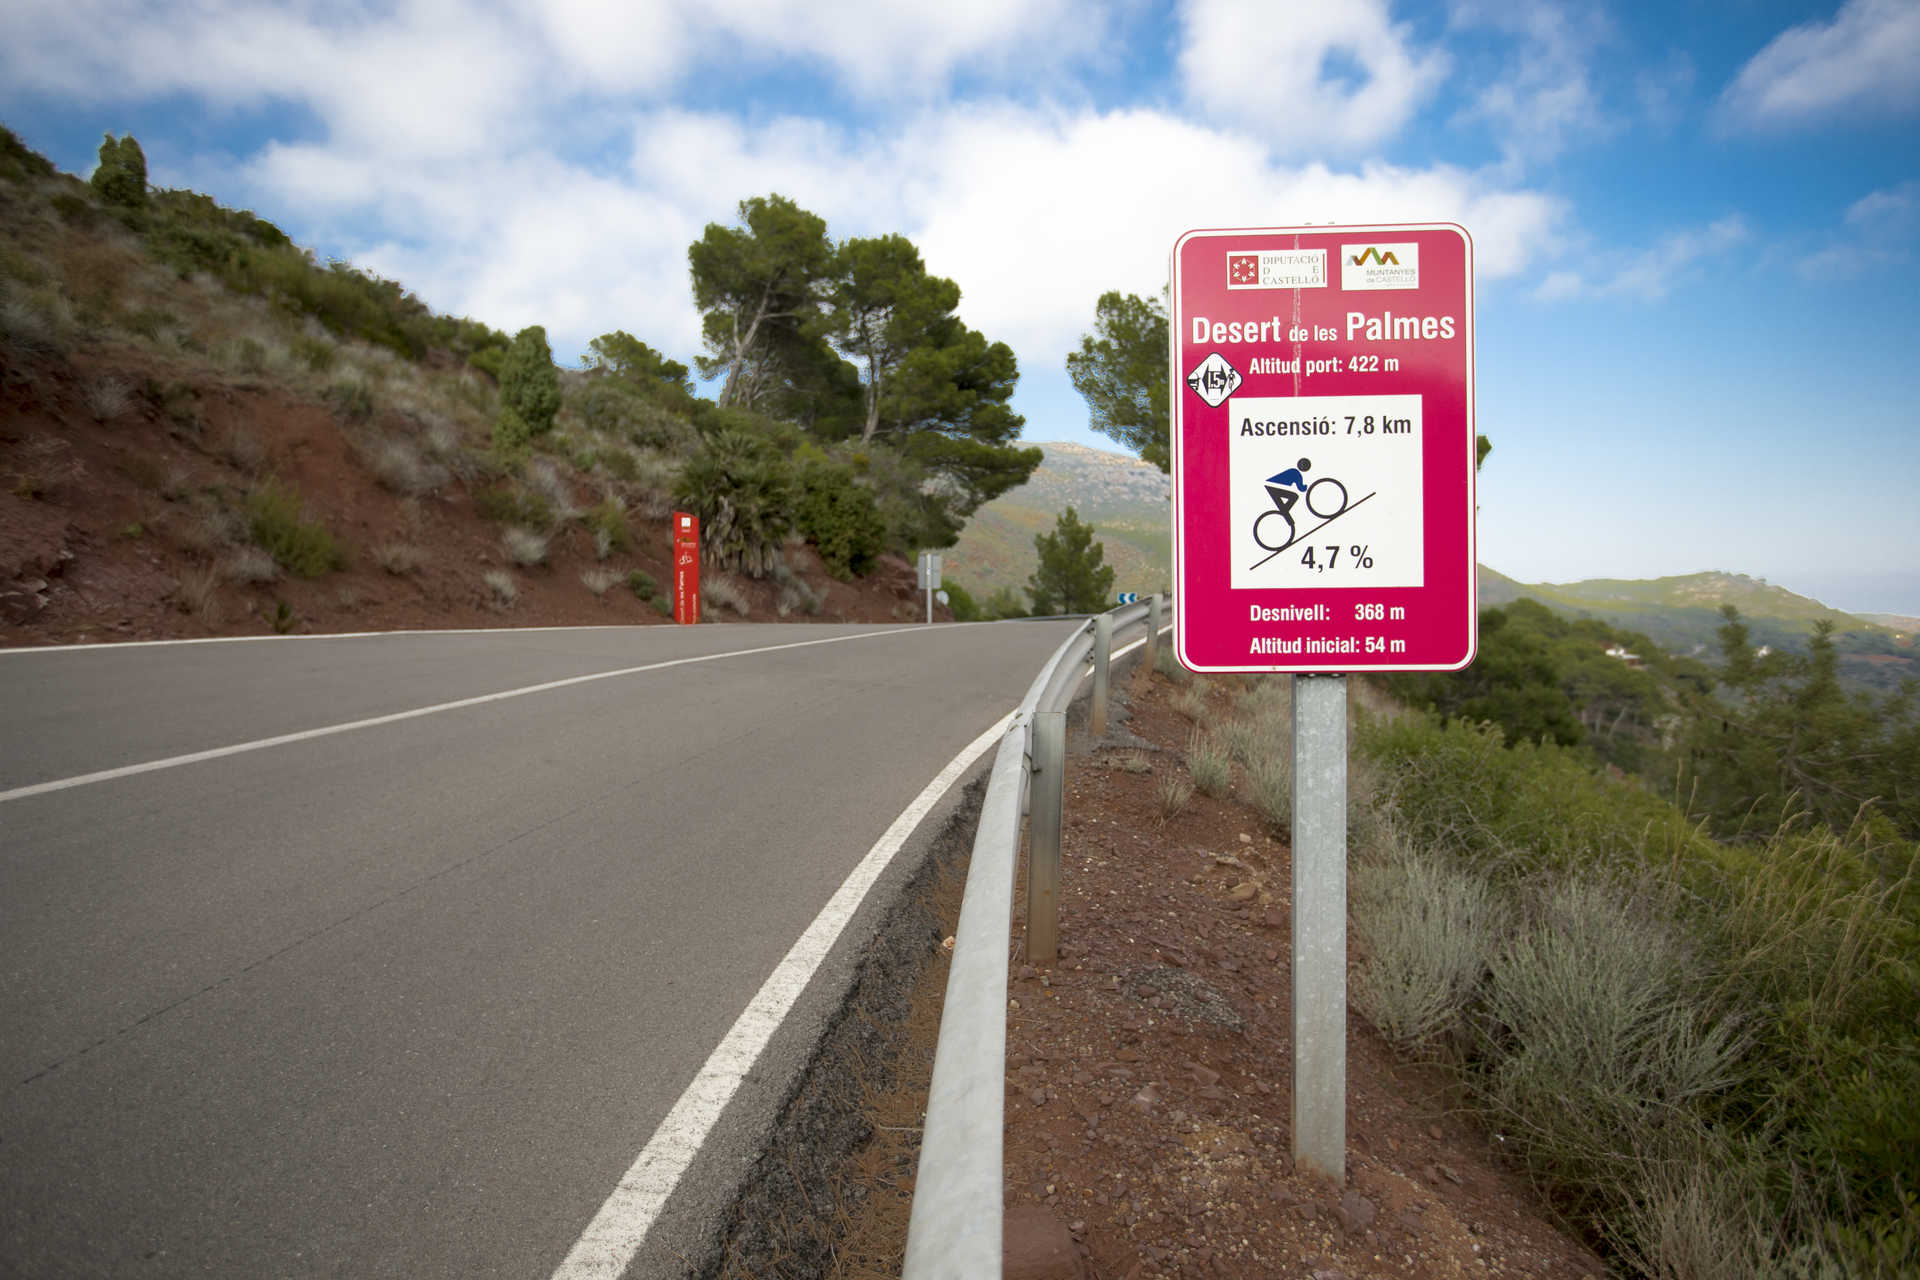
929 578
1323 451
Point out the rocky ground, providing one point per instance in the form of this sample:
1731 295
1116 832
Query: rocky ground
1148 1072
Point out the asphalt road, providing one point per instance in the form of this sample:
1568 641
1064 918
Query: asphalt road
407 1000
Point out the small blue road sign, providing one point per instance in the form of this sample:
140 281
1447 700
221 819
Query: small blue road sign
1129 597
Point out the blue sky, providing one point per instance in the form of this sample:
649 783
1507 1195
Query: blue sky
1697 224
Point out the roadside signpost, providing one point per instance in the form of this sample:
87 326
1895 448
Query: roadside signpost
686 568
1323 499
929 578
1129 597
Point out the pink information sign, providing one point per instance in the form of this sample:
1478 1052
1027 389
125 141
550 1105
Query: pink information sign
1323 449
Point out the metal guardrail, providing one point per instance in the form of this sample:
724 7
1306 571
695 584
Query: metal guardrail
955 1229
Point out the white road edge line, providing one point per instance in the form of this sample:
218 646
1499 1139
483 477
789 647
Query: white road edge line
617 1231
259 744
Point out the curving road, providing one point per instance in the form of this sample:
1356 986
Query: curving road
407 999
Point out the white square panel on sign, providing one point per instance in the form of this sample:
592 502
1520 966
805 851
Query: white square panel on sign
1326 491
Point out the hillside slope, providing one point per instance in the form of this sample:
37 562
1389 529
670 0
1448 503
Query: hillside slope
1126 500
204 432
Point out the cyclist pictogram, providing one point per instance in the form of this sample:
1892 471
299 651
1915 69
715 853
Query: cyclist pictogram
1325 500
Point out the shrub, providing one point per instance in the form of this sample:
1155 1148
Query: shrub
524 546
598 581
250 564
399 557
529 390
1428 929
1191 702
107 398
839 517
351 398
744 494
398 466
1209 763
508 507
303 549
502 586
121 178
720 589
641 583
608 521
1174 794
1598 1044
318 354
199 595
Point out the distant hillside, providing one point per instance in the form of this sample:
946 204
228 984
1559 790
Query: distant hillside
1128 502
1682 615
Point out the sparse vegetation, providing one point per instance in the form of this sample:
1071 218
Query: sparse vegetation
1175 793
304 549
641 583
598 581
504 591
1209 763
399 557
718 590
107 398
249 565
524 546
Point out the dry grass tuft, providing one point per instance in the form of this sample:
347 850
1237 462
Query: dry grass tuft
399 558
524 546
723 589
599 581
249 564
107 398
502 586
199 595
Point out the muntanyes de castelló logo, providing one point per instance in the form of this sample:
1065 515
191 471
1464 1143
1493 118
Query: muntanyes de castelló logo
1379 266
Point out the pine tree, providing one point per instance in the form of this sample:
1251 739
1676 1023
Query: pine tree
1072 576
529 391
121 178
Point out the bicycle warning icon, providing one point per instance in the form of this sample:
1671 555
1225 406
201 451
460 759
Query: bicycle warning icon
1324 499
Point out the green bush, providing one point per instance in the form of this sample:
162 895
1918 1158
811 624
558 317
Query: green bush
509 506
641 583
608 521
965 608
529 390
121 178
1427 927
1462 791
303 549
744 493
838 516
18 161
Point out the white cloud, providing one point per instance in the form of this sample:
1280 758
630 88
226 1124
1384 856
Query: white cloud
442 76
1881 227
1560 284
1546 99
1652 274
1862 62
1020 206
1306 77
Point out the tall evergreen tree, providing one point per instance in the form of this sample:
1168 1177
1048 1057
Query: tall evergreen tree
1121 371
759 287
121 178
1072 576
529 391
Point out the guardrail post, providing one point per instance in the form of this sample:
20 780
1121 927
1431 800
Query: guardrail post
1102 648
1153 632
1049 795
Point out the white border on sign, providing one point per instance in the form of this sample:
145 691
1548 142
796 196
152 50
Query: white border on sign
1175 384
